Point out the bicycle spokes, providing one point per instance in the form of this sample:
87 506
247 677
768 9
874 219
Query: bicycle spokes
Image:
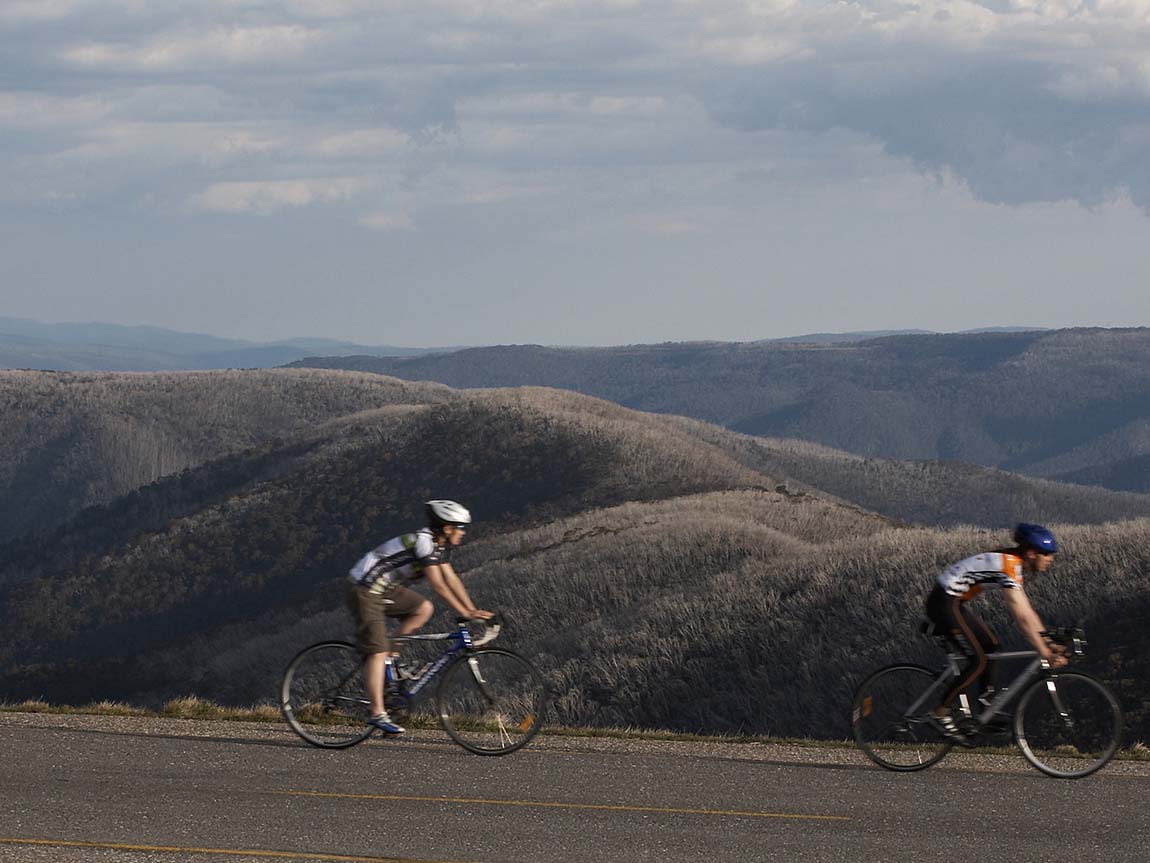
889 719
322 695
1068 725
491 702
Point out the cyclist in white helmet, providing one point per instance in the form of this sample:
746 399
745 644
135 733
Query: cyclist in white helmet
377 591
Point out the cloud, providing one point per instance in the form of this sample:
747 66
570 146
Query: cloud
174 143
30 110
359 143
181 50
17 12
679 223
266 197
1020 100
382 221
1030 102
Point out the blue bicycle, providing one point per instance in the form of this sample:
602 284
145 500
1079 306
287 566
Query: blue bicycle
490 701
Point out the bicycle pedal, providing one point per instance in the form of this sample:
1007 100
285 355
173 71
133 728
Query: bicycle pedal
968 732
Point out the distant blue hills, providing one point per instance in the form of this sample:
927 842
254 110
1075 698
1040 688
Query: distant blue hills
866 335
29 344
78 347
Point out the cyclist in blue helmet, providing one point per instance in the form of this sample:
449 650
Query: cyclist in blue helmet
946 607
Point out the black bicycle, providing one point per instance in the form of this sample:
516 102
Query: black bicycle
490 701
1067 723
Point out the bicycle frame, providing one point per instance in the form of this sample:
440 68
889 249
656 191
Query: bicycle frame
1006 694
459 641
488 700
1068 724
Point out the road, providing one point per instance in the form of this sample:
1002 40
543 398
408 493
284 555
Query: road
127 790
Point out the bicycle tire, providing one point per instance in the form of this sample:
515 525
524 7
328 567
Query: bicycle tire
880 724
1073 743
322 698
491 701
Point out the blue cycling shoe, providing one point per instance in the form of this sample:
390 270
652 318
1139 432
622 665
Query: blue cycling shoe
383 723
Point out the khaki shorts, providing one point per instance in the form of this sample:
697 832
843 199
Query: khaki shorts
371 611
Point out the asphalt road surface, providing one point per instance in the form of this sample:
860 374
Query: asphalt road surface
117 790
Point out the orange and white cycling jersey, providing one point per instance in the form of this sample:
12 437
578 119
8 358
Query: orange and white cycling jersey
967 578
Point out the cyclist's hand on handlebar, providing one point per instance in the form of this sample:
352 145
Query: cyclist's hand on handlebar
1057 660
480 614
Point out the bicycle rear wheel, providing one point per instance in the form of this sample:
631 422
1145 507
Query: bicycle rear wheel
491 701
322 697
889 719
1068 725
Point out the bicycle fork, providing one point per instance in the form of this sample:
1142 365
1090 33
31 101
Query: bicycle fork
473 664
1063 713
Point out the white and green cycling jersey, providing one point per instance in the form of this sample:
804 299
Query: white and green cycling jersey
399 560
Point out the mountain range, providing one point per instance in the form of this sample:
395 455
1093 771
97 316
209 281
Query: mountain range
1070 405
28 344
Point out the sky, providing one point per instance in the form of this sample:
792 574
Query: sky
590 172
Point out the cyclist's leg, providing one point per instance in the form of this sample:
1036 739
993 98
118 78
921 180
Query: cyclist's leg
989 643
945 612
412 609
965 638
369 611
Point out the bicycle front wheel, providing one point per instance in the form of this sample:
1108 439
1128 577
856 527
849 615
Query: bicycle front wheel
322 697
1068 725
491 701
889 719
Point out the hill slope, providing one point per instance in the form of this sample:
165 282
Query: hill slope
81 440
928 491
650 567
1022 401
274 529
72 441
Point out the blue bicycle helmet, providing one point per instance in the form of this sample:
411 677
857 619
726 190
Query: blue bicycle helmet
1035 536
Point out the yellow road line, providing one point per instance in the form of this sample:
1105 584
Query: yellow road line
234 852
668 810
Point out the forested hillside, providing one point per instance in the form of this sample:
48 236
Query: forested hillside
753 613
662 571
276 529
927 491
74 440
77 440
1071 404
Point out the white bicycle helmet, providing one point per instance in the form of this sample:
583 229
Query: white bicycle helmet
441 512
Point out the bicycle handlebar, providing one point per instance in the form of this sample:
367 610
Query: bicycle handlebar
491 628
1073 637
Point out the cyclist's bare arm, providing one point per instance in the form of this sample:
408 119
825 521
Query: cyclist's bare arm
1031 626
456 584
449 587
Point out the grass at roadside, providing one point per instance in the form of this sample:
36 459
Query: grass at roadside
179 708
